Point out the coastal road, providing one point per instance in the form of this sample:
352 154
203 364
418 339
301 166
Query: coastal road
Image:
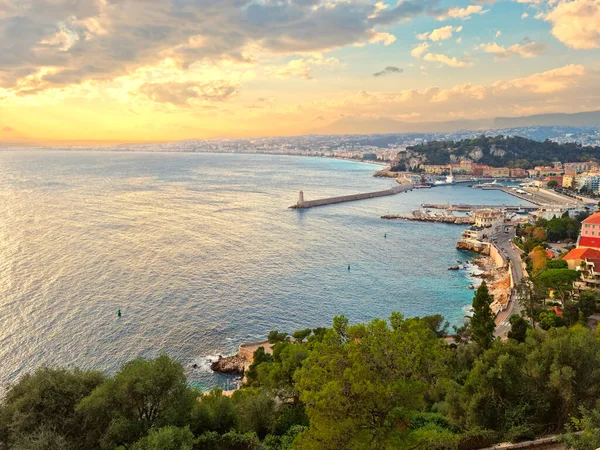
504 242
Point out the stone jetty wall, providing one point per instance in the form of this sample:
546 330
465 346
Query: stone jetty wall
351 198
428 218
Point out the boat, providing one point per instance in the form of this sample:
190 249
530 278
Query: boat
493 184
448 181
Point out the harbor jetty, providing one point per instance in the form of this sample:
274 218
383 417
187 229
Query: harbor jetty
423 216
403 186
466 207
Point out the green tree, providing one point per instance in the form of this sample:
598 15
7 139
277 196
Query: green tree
361 381
41 407
213 412
552 184
584 433
301 335
275 336
228 441
482 322
518 328
560 281
144 394
256 411
588 303
167 438
531 295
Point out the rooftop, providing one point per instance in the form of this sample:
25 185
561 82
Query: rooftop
594 218
582 253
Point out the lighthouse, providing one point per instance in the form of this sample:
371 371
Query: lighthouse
300 203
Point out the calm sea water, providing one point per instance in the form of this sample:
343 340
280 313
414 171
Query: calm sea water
200 252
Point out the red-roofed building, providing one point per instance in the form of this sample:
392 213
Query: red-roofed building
577 255
590 232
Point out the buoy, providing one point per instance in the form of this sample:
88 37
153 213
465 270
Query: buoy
385 235
348 266
119 313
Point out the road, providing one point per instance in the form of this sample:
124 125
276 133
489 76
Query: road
504 242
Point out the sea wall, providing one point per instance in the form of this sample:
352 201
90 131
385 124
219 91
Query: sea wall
497 256
354 197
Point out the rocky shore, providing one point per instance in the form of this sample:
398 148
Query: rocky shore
235 364
386 173
485 250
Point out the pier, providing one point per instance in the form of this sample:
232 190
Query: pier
422 216
466 207
304 204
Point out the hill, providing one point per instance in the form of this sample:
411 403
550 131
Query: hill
499 151
359 125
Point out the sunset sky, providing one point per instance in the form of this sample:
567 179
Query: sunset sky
160 70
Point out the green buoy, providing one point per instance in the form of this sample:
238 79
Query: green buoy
385 235
119 313
348 266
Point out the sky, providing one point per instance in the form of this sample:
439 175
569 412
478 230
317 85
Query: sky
166 70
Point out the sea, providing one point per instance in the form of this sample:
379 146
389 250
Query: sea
201 252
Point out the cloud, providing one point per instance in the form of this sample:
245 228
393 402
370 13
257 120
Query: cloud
527 49
7 129
462 13
439 34
452 62
72 41
576 23
388 71
182 94
299 68
524 15
549 82
498 33
419 50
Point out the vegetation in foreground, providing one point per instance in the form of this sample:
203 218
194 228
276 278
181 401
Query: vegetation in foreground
395 384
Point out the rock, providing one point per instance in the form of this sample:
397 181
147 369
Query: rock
194 366
229 364
472 287
453 268
459 261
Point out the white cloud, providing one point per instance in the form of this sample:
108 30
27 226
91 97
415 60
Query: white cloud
419 50
528 49
524 15
462 13
439 34
451 62
498 33
299 68
576 23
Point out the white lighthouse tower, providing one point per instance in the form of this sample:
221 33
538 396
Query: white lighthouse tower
300 203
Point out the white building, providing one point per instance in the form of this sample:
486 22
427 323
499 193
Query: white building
490 218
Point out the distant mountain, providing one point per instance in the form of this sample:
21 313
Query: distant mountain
358 125
584 119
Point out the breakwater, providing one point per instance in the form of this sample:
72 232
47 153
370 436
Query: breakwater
304 204
466 207
429 218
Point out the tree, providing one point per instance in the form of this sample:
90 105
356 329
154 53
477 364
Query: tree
588 303
538 259
552 184
41 407
144 394
482 322
167 438
560 280
275 336
584 433
540 234
531 294
359 389
518 328
301 335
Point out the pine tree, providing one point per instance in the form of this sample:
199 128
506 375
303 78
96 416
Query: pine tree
482 322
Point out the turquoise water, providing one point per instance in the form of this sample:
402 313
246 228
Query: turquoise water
200 252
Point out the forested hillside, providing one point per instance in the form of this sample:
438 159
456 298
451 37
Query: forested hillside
500 151
394 384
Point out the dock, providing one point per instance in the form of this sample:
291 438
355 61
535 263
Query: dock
464 207
422 216
305 204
